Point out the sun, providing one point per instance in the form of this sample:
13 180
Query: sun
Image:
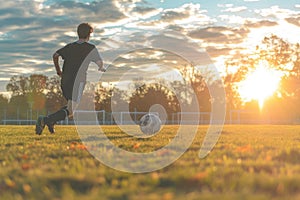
260 84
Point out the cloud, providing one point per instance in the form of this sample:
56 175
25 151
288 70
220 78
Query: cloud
101 11
294 20
145 12
220 35
276 12
170 16
235 9
186 13
216 52
31 31
259 24
140 51
187 16
232 19
225 5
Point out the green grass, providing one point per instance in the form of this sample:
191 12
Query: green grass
248 162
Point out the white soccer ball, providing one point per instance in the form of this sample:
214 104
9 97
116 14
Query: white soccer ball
150 124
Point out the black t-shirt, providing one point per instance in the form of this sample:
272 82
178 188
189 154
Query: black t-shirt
77 57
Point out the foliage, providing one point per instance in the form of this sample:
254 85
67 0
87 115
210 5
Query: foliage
149 95
108 97
33 94
196 84
281 56
41 94
54 97
3 105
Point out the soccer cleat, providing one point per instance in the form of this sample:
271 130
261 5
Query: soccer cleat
40 125
51 128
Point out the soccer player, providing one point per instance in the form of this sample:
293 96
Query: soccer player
77 57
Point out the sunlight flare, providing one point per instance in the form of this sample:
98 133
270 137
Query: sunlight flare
260 84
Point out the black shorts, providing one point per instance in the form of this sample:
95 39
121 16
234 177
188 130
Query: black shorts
73 91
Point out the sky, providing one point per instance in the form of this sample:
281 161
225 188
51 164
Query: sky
31 31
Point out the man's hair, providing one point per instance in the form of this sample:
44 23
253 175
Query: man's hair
84 30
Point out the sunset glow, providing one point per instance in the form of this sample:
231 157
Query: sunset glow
260 84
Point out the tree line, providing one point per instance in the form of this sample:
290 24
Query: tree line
39 94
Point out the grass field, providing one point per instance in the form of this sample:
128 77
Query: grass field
248 162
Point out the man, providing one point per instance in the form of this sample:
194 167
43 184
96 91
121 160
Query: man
77 57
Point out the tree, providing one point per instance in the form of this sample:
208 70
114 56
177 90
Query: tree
280 56
146 96
54 96
17 85
194 84
107 97
17 107
3 106
28 94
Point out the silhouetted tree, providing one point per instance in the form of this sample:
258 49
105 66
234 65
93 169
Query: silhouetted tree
149 95
108 97
54 97
194 84
279 55
18 85
3 106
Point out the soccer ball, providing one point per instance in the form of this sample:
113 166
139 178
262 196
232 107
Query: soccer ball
150 124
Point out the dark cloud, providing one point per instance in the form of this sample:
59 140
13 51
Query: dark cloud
210 33
181 45
294 20
215 52
30 33
220 34
175 27
143 10
170 16
9 12
260 24
101 11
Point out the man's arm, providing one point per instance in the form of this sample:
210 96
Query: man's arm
56 64
100 66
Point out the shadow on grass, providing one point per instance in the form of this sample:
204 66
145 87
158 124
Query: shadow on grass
79 186
291 156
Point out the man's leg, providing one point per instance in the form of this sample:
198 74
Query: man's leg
66 111
50 120
57 116
50 124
